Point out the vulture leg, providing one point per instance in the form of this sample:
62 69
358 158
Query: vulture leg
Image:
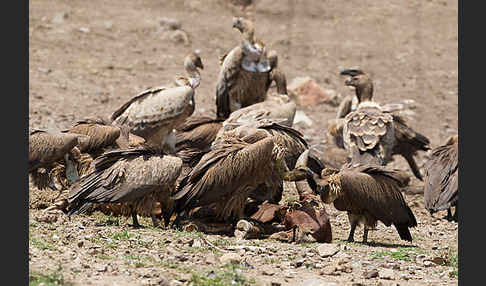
353 221
449 214
455 213
155 221
135 220
365 234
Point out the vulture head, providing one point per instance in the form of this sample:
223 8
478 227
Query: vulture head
192 63
245 27
361 82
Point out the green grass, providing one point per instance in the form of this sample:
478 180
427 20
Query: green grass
453 260
54 278
230 275
122 235
402 253
41 244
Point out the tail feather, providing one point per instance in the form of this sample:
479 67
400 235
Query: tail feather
404 232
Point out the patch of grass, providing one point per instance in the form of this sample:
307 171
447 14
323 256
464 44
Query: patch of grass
453 260
122 235
104 257
41 244
55 278
230 275
401 253
272 260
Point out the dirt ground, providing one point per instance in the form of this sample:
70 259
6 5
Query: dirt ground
88 57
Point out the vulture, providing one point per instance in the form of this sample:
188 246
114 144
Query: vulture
101 137
290 139
225 175
407 141
368 193
441 175
47 150
277 106
155 112
133 181
246 72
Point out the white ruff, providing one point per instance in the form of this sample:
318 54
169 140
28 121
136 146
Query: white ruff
366 104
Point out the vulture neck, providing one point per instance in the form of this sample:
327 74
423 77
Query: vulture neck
194 77
364 92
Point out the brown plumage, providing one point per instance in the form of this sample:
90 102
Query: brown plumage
155 112
197 132
245 73
441 178
276 106
406 143
138 178
225 175
46 151
368 193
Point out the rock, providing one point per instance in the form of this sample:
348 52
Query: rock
60 17
80 243
439 260
179 37
388 274
84 30
329 270
101 268
162 281
307 92
299 262
211 259
108 25
230 258
328 249
170 23
317 282
370 274
268 271
301 117
428 263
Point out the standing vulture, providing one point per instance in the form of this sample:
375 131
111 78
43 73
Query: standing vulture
368 193
225 176
49 149
245 74
441 175
155 112
137 179
407 141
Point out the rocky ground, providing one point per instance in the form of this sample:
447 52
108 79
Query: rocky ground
88 57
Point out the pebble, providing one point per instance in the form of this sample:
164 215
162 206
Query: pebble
232 258
317 282
370 274
327 249
387 274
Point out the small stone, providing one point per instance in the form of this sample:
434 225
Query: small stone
179 36
428 263
101 268
299 262
162 281
387 274
370 274
108 25
211 259
268 271
80 243
170 23
439 260
307 92
327 249
60 17
84 29
231 258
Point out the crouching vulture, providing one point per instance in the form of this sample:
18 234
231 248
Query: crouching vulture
137 178
441 176
47 150
225 176
155 112
368 193
406 142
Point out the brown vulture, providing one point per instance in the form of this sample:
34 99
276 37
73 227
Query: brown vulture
441 176
407 141
155 112
246 72
138 179
368 193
